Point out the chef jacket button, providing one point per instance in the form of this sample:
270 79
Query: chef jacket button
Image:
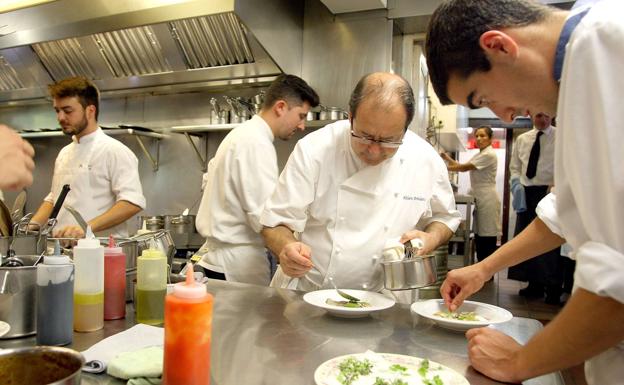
396 195
386 228
342 219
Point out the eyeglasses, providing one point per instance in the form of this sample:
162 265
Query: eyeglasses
382 143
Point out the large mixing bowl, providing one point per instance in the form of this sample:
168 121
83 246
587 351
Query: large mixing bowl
40 365
409 273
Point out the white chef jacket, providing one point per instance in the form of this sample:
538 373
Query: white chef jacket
588 165
100 172
346 211
240 178
483 188
544 175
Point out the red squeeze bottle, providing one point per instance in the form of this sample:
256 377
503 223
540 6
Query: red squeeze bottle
188 324
114 281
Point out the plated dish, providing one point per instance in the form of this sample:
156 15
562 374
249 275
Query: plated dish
372 368
338 306
470 314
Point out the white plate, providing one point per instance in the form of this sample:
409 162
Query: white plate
377 302
492 314
327 372
4 328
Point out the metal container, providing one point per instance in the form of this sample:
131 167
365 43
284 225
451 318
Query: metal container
161 239
336 113
152 223
23 244
409 273
44 365
441 262
311 115
18 305
180 224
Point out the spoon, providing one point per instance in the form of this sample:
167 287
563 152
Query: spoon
342 293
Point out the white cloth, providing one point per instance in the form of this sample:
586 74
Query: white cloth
137 337
100 171
483 188
240 178
588 165
346 211
545 165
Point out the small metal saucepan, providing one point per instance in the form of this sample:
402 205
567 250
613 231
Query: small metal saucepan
403 270
43 365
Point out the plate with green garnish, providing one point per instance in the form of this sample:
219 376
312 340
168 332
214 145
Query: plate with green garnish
349 304
470 314
372 368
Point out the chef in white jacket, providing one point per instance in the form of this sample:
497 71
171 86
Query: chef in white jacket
352 185
101 172
574 72
241 177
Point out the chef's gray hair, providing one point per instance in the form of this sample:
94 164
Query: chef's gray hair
386 89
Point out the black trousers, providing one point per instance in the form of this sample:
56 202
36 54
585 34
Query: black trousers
543 270
485 246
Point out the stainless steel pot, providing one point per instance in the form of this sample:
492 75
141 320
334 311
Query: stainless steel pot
160 239
336 113
180 224
409 273
23 244
18 297
42 365
152 223
311 115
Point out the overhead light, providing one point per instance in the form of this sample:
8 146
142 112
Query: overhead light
12 5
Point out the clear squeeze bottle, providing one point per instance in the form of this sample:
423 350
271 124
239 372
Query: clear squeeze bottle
114 281
89 284
151 286
188 323
55 302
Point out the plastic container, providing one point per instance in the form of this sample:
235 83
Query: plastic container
89 284
55 302
114 281
151 287
188 324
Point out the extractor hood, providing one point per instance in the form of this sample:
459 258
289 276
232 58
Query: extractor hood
150 45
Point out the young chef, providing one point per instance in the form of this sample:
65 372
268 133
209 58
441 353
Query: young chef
240 178
352 185
517 58
102 173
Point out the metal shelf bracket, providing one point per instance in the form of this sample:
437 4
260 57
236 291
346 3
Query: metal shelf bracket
153 161
202 160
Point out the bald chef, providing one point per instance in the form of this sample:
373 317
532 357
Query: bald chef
102 173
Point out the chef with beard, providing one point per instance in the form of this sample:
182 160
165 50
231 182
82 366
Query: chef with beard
102 172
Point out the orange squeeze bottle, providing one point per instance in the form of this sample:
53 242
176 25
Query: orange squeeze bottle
188 322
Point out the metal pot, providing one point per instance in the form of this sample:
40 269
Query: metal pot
43 365
259 98
311 115
336 113
409 273
23 244
152 223
180 224
161 239
18 297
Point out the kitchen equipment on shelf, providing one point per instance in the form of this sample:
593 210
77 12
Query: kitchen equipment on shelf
323 113
181 224
258 98
41 365
311 115
18 296
336 113
403 271
214 111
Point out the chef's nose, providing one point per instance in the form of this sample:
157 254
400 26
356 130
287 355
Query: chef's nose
301 125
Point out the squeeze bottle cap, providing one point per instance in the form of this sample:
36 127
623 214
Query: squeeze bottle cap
190 288
56 258
112 247
143 229
89 241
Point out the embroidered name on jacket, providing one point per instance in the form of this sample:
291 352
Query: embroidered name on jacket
413 198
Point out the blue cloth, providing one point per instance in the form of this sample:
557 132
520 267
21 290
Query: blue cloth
518 200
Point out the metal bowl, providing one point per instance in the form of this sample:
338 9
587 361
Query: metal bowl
41 365
409 273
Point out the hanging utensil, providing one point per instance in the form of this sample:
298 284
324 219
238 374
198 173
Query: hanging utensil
18 205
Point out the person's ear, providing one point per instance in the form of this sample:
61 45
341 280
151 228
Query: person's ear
280 108
91 111
498 45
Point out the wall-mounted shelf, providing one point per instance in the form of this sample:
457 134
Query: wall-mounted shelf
138 134
203 129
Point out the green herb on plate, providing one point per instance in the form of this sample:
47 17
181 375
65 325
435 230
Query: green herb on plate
351 369
351 304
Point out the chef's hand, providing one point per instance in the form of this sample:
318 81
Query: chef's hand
296 259
494 354
16 163
429 241
69 232
462 283
446 156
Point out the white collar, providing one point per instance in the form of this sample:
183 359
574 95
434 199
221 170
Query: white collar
547 131
265 125
89 138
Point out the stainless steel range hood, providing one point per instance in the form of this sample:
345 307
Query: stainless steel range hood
150 45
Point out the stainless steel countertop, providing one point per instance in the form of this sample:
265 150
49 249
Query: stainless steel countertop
271 336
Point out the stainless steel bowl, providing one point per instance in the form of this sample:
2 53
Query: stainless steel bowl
409 273
41 365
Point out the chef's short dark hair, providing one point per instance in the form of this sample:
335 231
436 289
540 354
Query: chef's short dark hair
79 87
452 43
292 89
385 92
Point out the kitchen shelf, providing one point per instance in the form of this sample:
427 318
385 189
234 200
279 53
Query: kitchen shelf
138 134
203 129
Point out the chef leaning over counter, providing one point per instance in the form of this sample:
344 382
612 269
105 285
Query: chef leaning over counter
521 57
352 185
102 172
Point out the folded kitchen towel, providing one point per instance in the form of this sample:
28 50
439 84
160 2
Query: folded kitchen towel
142 365
137 337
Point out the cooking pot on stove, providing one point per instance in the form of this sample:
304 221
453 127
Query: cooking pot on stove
152 223
41 365
18 296
180 224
